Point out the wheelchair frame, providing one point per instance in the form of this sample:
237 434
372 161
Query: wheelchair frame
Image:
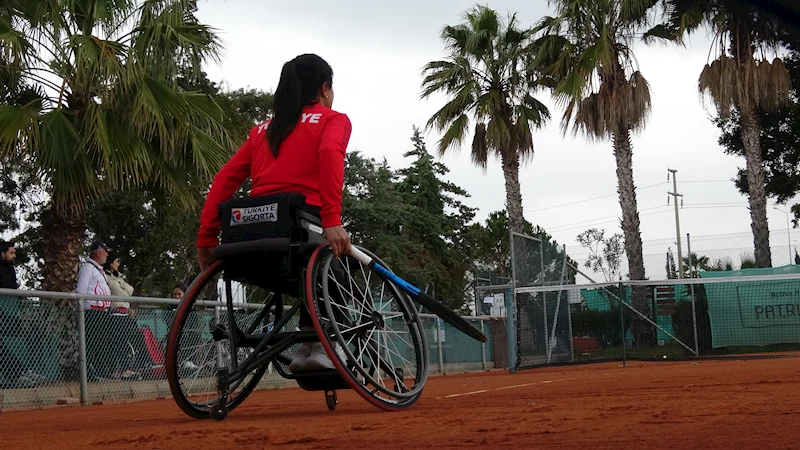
269 347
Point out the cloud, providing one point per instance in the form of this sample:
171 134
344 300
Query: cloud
377 50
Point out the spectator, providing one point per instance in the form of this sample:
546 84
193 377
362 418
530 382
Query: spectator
8 274
92 278
118 286
100 332
123 319
178 292
13 333
11 368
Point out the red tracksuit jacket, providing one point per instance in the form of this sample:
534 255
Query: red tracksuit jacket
310 162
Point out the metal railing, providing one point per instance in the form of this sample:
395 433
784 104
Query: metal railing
55 350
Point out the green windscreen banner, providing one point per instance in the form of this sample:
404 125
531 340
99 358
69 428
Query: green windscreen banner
756 313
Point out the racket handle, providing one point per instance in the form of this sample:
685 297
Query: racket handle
360 256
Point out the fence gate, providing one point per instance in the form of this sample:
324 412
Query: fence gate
542 317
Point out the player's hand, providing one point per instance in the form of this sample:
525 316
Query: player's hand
205 256
339 240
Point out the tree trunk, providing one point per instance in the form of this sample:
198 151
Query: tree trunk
516 220
751 140
63 241
643 332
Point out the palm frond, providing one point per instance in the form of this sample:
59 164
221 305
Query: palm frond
166 35
522 136
72 174
208 155
462 102
202 106
490 71
534 111
19 128
589 56
638 101
156 105
717 85
635 12
480 148
445 76
454 135
498 134
661 33
15 48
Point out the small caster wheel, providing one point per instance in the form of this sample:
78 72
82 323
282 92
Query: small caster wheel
331 400
220 410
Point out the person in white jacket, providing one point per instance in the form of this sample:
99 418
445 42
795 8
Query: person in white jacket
92 278
101 335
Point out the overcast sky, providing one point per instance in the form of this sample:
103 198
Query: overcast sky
377 52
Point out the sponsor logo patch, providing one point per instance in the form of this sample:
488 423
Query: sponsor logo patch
255 214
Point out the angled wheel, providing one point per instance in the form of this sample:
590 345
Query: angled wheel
197 350
368 328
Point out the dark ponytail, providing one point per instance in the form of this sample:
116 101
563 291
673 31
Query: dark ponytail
301 80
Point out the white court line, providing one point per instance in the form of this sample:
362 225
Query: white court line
515 386
466 393
505 387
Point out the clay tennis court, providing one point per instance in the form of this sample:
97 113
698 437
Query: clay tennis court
706 404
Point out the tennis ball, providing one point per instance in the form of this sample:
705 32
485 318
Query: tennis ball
665 356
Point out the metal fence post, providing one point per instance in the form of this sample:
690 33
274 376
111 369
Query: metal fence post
511 301
439 343
511 331
621 292
82 353
483 349
691 292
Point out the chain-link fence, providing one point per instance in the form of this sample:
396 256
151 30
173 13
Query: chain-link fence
714 308
56 350
543 328
708 252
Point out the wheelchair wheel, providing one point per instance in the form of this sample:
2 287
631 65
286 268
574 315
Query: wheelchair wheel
194 356
369 329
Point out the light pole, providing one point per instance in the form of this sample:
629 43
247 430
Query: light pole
788 233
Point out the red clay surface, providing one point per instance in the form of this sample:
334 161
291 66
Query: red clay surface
706 404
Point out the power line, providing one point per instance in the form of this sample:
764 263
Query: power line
715 203
592 199
600 218
550 230
715 207
708 181
614 195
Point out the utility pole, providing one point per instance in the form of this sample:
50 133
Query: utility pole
675 195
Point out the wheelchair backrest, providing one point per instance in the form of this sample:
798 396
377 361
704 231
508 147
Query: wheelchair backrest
268 216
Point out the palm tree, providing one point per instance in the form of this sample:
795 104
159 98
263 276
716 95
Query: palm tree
587 48
485 79
96 107
693 264
741 80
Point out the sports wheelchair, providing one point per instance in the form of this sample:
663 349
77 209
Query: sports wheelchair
363 315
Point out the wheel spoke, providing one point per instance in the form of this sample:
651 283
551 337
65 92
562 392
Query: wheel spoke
197 357
377 328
